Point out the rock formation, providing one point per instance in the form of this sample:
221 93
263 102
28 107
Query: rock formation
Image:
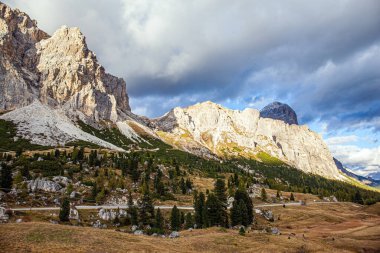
279 111
43 185
227 133
59 70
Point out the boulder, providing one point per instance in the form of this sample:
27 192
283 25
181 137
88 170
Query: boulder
134 228
138 232
3 214
74 214
62 180
275 231
43 185
174 234
268 214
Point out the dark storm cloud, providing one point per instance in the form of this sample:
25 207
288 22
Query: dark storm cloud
321 57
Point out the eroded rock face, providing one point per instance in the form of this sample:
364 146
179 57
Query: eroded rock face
43 185
279 111
72 77
18 81
229 133
59 70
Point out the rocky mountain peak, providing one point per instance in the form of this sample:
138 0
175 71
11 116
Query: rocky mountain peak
59 71
71 76
279 111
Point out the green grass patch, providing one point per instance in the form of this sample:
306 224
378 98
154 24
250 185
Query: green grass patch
268 159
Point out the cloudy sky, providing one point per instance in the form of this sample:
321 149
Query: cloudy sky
320 57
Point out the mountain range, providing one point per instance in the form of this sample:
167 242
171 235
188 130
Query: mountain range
54 89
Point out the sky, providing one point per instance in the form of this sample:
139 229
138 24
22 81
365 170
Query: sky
320 57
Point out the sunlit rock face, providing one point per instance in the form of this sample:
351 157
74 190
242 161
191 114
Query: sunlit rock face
72 77
59 71
18 80
279 111
213 129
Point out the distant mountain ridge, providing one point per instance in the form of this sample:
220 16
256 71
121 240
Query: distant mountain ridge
365 180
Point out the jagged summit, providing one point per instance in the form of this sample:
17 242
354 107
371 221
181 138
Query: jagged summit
279 111
59 71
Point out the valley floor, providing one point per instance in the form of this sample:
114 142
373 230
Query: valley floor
343 227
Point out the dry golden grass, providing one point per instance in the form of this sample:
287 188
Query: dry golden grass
315 228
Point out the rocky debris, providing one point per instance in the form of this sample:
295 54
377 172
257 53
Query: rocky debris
279 111
275 231
138 232
73 194
226 132
134 228
53 222
174 234
4 216
43 185
330 199
74 214
98 224
254 190
62 180
268 215
105 214
19 220
230 201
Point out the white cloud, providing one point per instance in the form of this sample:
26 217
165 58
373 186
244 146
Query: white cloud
341 139
362 160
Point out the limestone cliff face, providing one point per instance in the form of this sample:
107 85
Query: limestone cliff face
71 76
59 70
18 81
227 133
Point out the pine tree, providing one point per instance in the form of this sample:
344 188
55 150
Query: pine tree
358 198
214 211
263 194
199 205
235 214
132 210
65 210
220 192
159 221
291 197
244 213
146 207
243 195
6 178
175 219
183 186
189 221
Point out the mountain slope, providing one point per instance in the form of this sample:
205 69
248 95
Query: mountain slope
231 133
47 127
